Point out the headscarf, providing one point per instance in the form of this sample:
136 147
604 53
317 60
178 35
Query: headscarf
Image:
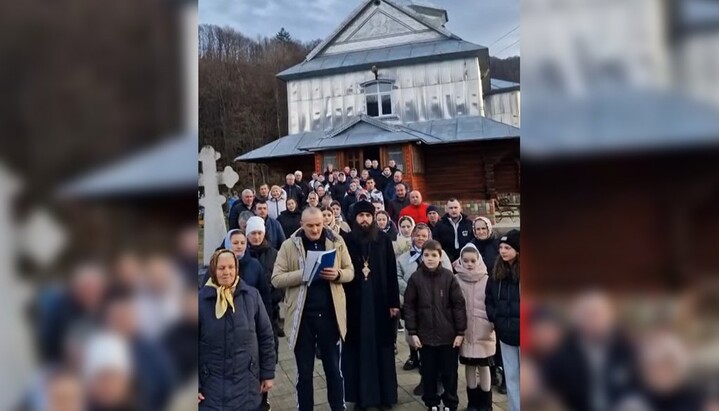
480 270
225 294
415 252
227 244
486 221
399 226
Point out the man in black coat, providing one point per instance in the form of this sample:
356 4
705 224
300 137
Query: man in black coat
454 230
293 190
245 204
368 363
400 201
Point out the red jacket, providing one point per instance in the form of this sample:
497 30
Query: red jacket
418 213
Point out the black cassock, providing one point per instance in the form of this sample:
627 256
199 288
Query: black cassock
368 363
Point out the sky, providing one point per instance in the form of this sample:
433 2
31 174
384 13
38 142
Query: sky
491 23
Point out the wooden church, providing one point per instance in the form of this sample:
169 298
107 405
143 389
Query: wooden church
392 83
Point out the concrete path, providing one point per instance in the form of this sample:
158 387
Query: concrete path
283 398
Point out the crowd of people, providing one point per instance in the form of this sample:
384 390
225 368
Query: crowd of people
581 355
120 336
446 281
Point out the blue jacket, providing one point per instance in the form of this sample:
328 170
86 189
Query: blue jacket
236 353
274 233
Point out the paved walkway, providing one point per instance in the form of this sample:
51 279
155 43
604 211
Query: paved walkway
283 398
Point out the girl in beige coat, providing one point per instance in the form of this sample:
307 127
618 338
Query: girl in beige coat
479 341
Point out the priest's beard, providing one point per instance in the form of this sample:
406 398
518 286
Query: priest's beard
366 234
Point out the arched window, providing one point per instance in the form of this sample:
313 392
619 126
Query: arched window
378 97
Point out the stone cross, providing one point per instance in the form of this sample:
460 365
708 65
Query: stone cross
215 229
41 239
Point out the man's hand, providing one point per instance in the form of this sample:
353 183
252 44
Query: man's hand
329 274
416 343
266 385
457 341
200 397
393 312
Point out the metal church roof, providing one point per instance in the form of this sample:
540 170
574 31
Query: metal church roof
367 131
436 50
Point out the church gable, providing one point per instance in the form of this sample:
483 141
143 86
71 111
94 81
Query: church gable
379 25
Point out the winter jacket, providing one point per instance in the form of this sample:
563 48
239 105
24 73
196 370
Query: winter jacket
401 245
418 213
305 187
390 190
266 256
502 303
434 308
489 249
479 339
236 352
338 190
290 221
391 231
396 205
275 206
274 233
237 208
405 269
452 237
295 191
347 203
287 275
251 273
376 195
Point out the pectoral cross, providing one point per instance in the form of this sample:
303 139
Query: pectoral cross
365 270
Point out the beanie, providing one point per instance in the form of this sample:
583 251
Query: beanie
511 239
255 224
431 208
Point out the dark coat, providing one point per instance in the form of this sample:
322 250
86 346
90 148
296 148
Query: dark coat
445 234
489 250
383 269
337 191
395 206
236 352
347 203
434 307
567 373
235 211
295 192
502 302
181 344
305 188
251 274
392 231
155 374
267 256
290 221
274 233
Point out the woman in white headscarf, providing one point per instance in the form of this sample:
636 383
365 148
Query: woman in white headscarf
404 236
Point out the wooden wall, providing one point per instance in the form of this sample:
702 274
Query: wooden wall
475 170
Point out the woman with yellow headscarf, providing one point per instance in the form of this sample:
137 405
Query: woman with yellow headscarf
237 347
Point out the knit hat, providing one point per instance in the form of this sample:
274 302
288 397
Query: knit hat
255 224
106 351
511 239
431 208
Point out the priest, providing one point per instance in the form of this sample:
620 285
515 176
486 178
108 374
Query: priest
368 363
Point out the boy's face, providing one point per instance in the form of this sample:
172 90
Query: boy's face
431 259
